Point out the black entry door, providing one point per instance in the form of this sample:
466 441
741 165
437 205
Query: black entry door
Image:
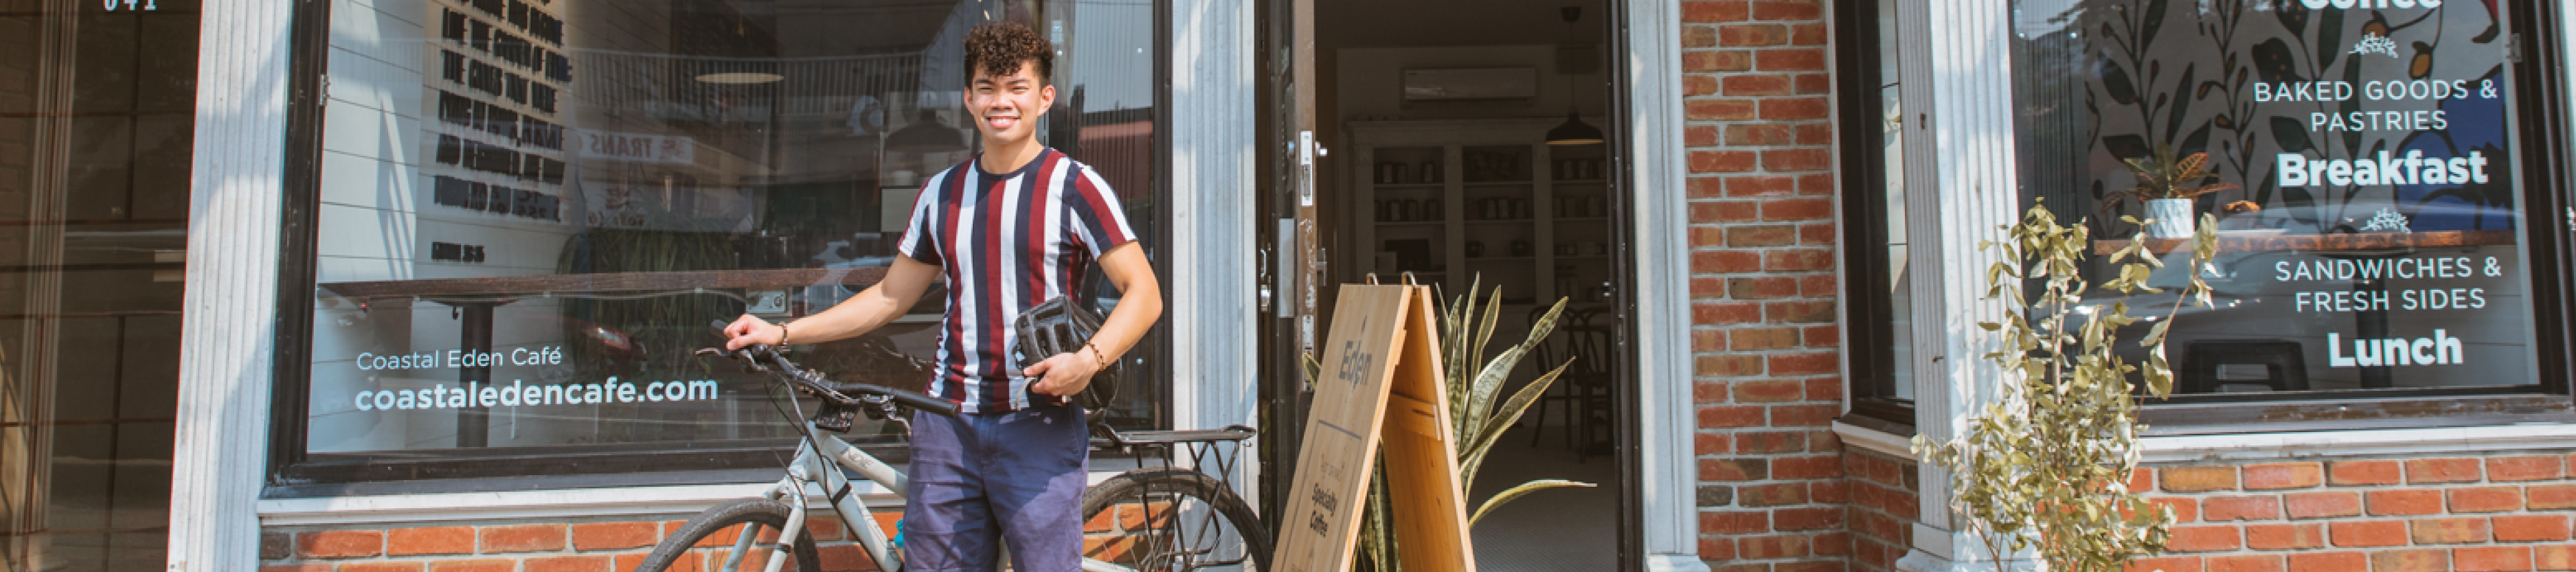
1291 262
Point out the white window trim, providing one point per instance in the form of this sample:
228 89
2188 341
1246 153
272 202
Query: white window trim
551 504
226 339
1875 441
1667 472
2243 447
564 505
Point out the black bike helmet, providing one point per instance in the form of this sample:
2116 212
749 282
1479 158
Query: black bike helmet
1060 326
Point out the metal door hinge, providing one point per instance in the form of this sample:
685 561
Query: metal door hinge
1261 259
2513 48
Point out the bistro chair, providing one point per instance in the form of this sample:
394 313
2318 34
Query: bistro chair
1583 392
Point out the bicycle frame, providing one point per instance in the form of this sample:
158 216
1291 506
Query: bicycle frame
810 468
820 456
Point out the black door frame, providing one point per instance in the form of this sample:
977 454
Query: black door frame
1284 398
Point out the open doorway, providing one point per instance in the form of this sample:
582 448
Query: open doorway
1467 151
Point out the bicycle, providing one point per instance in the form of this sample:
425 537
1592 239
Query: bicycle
1155 518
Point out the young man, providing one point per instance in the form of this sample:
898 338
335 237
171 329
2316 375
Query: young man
1008 229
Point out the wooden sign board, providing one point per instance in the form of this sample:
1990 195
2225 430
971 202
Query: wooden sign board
1381 382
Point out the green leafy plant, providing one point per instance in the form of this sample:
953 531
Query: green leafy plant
1476 418
2046 466
2163 176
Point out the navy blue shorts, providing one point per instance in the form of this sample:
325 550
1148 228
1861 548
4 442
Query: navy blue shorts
982 479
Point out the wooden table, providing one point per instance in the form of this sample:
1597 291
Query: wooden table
474 299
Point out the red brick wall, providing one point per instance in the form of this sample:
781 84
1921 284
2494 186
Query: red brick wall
1885 500
2505 512
604 546
1778 493
1772 496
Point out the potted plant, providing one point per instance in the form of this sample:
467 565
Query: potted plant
2167 185
2045 468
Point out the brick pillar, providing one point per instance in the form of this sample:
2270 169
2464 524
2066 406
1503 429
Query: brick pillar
1767 361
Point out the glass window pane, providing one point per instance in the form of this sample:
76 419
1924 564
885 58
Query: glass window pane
77 487
577 194
96 130
1900 326
1895 377
2359 161
141 489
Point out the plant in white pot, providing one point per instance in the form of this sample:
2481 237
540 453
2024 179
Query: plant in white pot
2167 185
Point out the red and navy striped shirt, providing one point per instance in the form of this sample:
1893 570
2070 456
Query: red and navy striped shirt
1006 242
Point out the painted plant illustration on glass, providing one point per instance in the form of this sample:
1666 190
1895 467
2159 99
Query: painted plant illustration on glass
2370 218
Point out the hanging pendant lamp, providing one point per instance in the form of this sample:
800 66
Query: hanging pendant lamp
927 135
1574 131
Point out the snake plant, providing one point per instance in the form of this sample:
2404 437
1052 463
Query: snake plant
1476 418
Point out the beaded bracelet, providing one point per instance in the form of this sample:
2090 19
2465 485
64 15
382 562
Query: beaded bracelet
1105 360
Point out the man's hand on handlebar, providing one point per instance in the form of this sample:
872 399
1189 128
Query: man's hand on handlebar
749 329
770 360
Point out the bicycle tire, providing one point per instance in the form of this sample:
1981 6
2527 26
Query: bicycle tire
723 518
1179 535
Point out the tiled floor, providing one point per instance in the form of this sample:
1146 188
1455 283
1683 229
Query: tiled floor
1566 529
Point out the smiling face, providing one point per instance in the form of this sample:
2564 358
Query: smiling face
1007 107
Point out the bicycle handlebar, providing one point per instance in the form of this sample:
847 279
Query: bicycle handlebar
814 384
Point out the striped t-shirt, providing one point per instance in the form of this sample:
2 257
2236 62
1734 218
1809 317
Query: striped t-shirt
1006 242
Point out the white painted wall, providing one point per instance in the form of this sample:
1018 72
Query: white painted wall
1370 83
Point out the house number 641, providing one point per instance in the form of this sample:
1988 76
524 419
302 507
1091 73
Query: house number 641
132 4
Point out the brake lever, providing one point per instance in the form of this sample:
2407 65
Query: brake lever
749 363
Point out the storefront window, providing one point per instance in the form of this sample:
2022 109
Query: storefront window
530 212
1882 325
2372 226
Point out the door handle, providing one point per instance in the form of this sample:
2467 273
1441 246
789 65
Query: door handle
1285 278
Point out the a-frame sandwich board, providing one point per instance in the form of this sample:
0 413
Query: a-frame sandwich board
1381 382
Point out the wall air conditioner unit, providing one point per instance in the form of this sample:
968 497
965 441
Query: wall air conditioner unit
1440 84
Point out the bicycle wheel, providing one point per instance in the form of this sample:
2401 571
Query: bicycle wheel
1172 520
708 540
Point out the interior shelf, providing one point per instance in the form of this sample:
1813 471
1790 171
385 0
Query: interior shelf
1501 166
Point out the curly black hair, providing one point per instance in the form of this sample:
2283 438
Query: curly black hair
997 48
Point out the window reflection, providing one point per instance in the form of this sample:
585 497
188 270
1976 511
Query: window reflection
1899 286
579 187
96 131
